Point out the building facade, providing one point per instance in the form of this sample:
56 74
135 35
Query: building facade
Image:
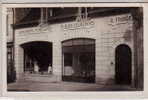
90 45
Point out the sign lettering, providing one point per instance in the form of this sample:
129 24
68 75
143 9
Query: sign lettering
37 30
120 19
83 24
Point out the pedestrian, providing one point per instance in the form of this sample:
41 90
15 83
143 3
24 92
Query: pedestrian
50 69
36 67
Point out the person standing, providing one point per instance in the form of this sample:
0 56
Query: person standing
50 69
36 67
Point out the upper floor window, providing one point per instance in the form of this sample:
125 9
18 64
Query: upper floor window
26 17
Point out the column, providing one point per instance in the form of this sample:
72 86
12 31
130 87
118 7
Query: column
57 60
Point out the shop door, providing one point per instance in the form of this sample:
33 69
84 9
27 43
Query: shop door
123 65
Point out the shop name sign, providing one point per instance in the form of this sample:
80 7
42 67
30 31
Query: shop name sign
36 30
83 24
122 19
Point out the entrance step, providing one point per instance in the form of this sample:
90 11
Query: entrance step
40 78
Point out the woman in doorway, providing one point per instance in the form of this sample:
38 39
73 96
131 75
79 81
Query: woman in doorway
36 67
50 69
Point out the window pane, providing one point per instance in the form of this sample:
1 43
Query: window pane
67 43
89 41
78 42
68 70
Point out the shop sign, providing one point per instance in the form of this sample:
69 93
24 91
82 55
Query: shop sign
122 19
37 30
83 24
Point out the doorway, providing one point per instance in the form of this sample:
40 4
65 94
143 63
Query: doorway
123 64
79 60
37 57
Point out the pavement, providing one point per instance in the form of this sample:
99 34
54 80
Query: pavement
34 86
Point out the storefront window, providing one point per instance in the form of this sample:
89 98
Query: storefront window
37 57
68 70
79 60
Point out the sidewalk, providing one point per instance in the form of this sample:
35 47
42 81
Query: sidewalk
64 86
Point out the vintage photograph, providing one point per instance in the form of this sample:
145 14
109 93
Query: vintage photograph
74 49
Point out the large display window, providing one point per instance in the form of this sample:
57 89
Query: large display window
79 60
38 57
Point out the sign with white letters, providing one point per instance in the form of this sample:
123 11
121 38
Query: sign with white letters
37 30
83 24
122 19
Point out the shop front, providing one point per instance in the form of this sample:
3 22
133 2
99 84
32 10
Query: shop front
94 50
